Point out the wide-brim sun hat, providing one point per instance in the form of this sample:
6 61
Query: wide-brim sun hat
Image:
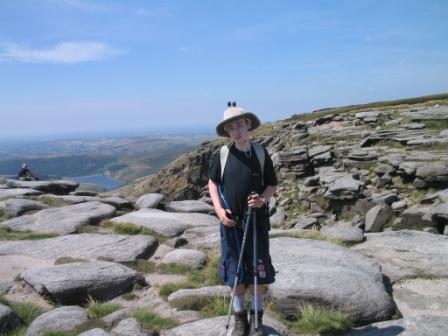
233 113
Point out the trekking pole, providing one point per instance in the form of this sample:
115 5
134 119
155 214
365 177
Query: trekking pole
240 258
255 265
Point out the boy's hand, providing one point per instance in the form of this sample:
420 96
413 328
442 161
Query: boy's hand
255 201
223 215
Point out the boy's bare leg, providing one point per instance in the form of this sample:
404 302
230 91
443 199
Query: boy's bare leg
240 289
261 289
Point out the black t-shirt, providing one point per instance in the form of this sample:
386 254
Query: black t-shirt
242 175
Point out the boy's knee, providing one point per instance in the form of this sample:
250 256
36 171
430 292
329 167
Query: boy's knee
261 289
240 289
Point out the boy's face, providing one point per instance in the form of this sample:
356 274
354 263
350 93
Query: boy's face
238 130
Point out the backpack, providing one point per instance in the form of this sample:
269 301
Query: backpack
259 151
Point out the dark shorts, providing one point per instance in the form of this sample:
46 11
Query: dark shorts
231 240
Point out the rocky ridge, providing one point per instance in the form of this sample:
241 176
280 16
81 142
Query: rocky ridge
358 226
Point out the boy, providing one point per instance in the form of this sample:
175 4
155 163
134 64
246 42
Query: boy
229 191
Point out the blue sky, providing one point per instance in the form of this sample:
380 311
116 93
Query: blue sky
81 66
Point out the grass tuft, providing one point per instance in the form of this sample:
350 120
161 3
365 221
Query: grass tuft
68 260
98 310
126 228
309 234
8 234
129 296
3 215
173 269
130 229
26 311
170 287
20 331
141 265
317 320
216 307
207 276
152 320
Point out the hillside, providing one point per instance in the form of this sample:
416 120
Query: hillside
124 158
358 237
359 139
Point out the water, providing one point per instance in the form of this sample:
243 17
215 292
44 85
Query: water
103 181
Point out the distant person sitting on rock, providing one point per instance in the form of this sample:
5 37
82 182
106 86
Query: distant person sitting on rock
25 174
235 171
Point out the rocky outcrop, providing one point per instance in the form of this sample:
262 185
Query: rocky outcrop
10 193
188 297
149 201
60 187
328 275
407 254
89 246
8 319
74 283
14 207
409 326
117 202
415 297
129 327
59 319
344 232
63 220
166 224
186 257
189 206
216 327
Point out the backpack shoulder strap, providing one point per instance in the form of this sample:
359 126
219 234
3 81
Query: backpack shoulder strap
259 151
223 155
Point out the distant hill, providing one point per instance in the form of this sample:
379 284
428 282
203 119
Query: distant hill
125 158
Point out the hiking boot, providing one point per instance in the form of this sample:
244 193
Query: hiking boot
259 331
241 327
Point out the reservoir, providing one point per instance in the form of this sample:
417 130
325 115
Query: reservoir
103 181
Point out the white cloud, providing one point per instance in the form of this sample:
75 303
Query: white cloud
63 53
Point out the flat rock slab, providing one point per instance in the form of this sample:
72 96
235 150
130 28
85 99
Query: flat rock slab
167 224
118 248
407 254
128 327
186 257
52 187
14 207
185 297
13 265
95 332
10 193
149 201
189 206
60 319
409 326
216 327
421 297
343 232
5 286
74 283
8 319
117 202
63 220
203 237
318 272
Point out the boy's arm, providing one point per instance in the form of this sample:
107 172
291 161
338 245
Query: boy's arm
257 201
220 211
268 192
